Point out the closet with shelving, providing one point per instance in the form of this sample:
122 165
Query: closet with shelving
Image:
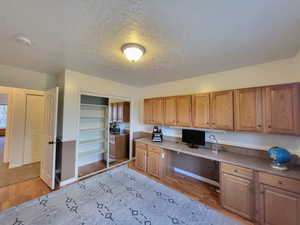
93 134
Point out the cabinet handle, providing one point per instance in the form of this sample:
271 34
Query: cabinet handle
235 170
279 182
269 126
259 125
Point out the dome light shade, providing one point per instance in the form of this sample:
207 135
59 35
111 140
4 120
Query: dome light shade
133 52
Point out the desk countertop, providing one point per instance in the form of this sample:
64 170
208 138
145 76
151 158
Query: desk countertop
246 161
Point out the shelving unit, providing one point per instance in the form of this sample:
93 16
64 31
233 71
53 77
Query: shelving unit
93 131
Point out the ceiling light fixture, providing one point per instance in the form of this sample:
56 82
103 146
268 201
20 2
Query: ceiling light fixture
132 51
24 40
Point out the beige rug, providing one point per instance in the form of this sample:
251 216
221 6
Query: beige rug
19 174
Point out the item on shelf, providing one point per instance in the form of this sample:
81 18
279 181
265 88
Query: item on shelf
114 128
280 157
157 134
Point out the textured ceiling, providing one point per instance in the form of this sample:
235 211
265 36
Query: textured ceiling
182 38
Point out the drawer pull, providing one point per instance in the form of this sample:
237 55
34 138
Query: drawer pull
235 170
279 182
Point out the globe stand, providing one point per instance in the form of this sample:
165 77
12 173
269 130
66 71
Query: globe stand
279 166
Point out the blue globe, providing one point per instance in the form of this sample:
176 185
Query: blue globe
279 155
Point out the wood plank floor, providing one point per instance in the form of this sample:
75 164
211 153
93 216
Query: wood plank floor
91 168
15 194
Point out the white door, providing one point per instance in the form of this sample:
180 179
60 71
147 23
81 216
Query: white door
34 128
49 149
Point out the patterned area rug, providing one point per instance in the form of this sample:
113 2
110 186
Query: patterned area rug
117 197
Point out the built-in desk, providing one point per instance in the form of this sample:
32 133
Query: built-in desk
249 186
246 161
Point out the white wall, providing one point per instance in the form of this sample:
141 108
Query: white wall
21 78
283 71
75 83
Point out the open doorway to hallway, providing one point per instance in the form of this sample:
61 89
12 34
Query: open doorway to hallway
3 124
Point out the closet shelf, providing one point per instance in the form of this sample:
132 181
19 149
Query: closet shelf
93 105
91 140
91 152
93 129
93 117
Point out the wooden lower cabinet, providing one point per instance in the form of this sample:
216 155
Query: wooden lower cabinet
141 159
279 207
153 160
237 192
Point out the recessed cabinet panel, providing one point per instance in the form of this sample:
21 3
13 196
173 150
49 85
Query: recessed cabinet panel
282 109
153 163
248 110
222 110
279 207
141 159
148 111
184 111
237 195
170 111
201 111
158 111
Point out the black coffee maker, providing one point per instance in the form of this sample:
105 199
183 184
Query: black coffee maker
157 134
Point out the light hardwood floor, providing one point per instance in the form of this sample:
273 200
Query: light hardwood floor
15 194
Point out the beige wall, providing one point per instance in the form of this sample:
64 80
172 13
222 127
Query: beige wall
283 71
21 78
75 83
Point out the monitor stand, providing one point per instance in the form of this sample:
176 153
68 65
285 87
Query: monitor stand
193 145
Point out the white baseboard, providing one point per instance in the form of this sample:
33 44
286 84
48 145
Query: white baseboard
197 177
69 181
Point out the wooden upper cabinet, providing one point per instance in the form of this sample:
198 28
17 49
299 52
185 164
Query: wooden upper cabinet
248 110
282 113
184 111
123 111
201 110
158 111
148 111
170 111
114 112
222 110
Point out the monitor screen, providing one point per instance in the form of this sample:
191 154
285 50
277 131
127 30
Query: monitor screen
193 137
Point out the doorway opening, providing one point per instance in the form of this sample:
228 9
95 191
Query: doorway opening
3 124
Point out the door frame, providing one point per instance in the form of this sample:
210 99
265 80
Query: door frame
97 94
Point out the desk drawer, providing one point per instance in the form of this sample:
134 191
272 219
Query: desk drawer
152 148
280 182
237 171
140 145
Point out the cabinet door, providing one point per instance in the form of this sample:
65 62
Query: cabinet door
153 163
201 117
170 111
222 110
148 111
120 106
184 111
158 111
141 159
282 109
248 110
237 195
279 207
115 112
